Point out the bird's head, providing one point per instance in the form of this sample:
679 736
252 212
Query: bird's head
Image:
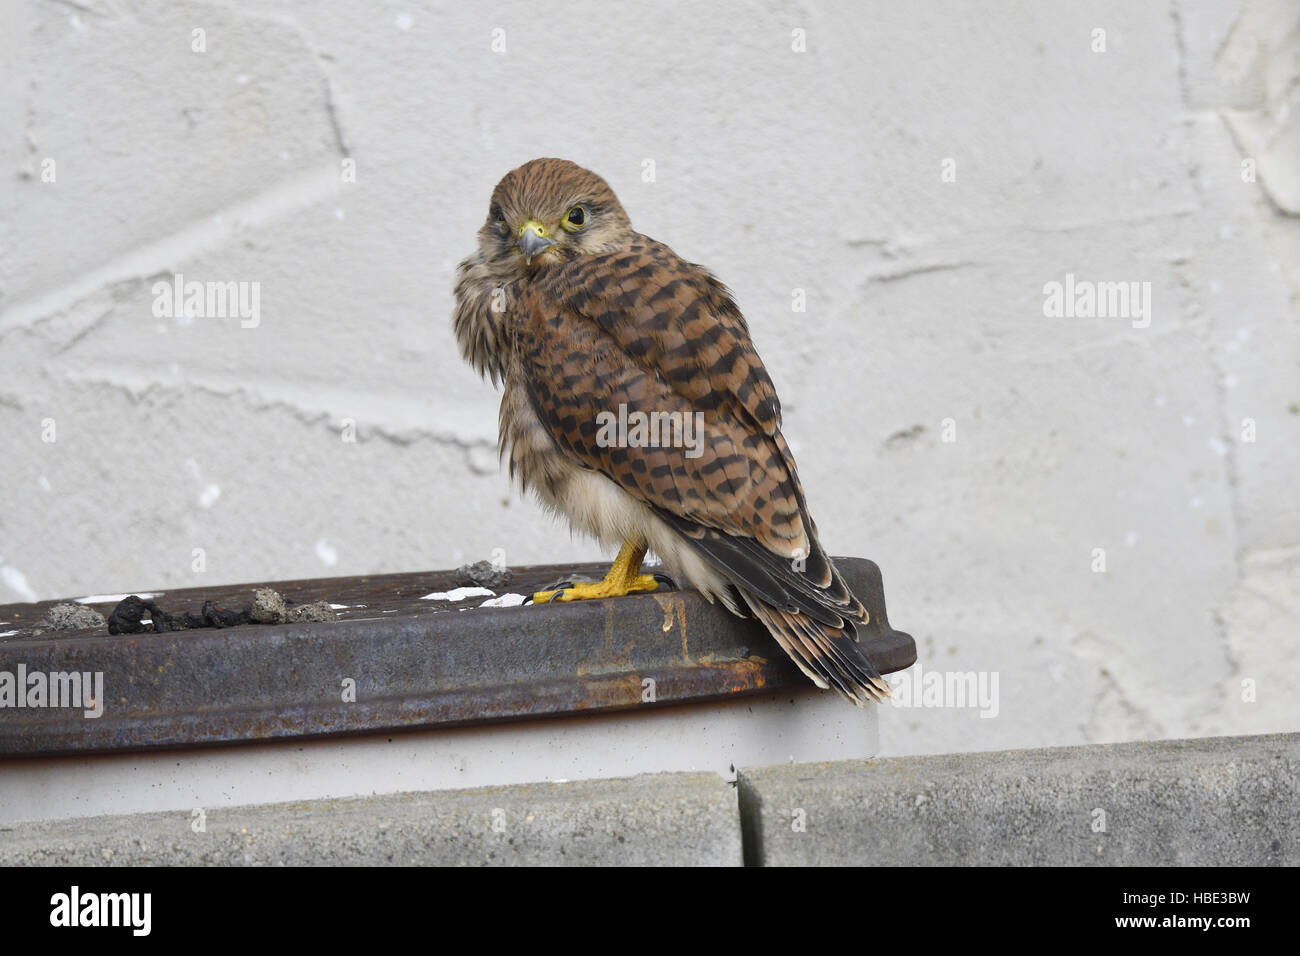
550 210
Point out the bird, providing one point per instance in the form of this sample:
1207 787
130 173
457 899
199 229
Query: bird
595 333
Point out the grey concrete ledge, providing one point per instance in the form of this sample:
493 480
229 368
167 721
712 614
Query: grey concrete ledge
1211 801
666 819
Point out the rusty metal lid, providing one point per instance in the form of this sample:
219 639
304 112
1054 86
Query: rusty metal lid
412 662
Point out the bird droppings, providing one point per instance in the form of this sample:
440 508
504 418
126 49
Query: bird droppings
505 600
269 607
458 594
72 617
129 617
483 574
316 611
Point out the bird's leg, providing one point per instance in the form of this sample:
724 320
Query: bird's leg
624 577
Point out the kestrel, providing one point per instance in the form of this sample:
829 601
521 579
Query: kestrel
635 405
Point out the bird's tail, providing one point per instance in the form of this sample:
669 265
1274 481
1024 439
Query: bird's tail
830 656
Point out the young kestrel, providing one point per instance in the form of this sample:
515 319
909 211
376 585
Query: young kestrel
584 319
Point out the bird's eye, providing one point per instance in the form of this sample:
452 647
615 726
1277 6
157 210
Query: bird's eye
498 219
575 218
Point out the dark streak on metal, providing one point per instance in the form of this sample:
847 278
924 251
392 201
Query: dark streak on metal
416 663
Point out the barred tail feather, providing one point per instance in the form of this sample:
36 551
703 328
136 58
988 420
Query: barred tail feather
829 656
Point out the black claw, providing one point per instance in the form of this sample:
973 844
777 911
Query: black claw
665 580
553 588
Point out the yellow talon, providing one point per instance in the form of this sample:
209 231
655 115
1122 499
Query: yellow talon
624 577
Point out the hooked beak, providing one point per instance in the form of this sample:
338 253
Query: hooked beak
533 239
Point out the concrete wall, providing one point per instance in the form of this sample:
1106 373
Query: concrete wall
1218 802
129 440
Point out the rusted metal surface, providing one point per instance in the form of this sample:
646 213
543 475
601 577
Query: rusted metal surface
415 663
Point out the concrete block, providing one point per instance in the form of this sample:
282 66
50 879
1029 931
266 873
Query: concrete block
683 819
1218 801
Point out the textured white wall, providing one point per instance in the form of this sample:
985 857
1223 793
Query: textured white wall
818 170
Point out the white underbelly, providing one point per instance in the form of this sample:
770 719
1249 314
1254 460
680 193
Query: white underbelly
595 504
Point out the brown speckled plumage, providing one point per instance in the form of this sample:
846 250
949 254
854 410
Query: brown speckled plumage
606 317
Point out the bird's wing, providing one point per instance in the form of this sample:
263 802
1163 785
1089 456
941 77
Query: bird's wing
643 329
